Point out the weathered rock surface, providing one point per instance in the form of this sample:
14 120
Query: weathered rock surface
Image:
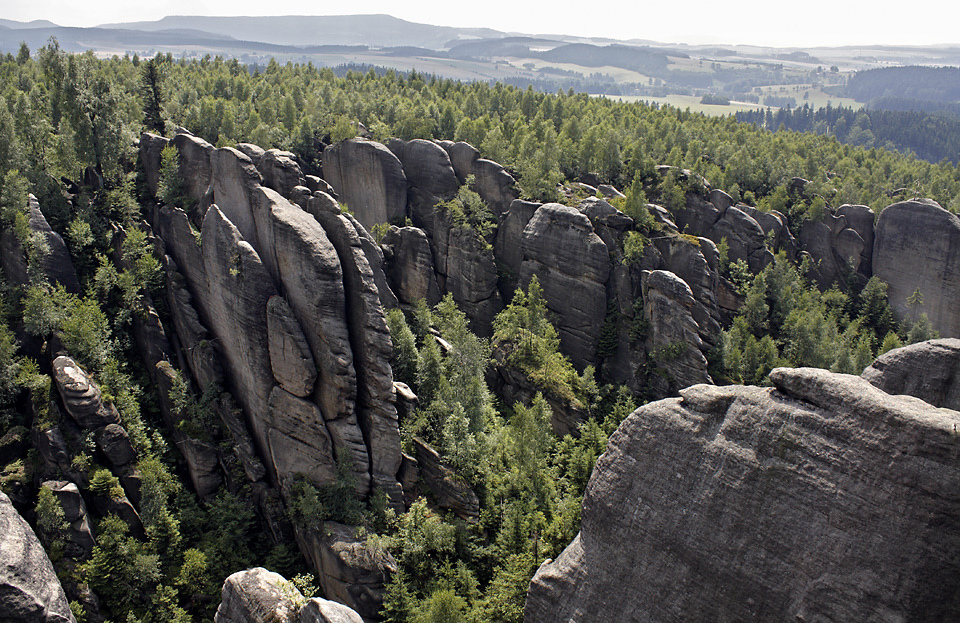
430 175
744 236
261 596
115 444
348 571
572 263
369 178
290 358
280 171
689 261
674 336
491 181
861 219
409 265
372 350
446 487
151 146
822 499
928 370
917 247
81 396
79 537
195 168
298 440
29 589
507 246
836 248
464 265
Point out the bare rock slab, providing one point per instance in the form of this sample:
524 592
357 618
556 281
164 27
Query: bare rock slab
822 499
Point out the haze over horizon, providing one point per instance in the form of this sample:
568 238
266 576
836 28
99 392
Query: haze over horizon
818 23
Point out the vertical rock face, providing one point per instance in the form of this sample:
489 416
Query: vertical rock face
492 182
151 145
410 267
917 247
674 336
572 264
822 499
350 572
29 589
290 358
929 371
368 178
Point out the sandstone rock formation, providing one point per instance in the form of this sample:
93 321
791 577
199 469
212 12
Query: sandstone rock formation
492 182
820 499
29 588
81 396
368 178
917 247
409 265
280 171
928 370
350 572
261 596
674 335
572 263
446 487
745 238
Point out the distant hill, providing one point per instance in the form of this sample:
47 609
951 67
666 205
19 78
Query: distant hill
301 30
37 23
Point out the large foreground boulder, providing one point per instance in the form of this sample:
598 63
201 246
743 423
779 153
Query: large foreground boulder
820 499
29 589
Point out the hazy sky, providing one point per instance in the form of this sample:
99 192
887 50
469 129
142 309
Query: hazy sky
782 24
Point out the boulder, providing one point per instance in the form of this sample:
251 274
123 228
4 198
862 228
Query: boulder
81 396
928 370
368 178
775 228
820 499
835 247
115 444
409 265
261 596
29 589
572 263
257 596
280 171
917 247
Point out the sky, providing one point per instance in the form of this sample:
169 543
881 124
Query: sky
780 24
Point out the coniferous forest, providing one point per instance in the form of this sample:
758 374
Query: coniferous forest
69 127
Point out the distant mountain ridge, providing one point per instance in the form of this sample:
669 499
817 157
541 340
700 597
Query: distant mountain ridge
303 30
